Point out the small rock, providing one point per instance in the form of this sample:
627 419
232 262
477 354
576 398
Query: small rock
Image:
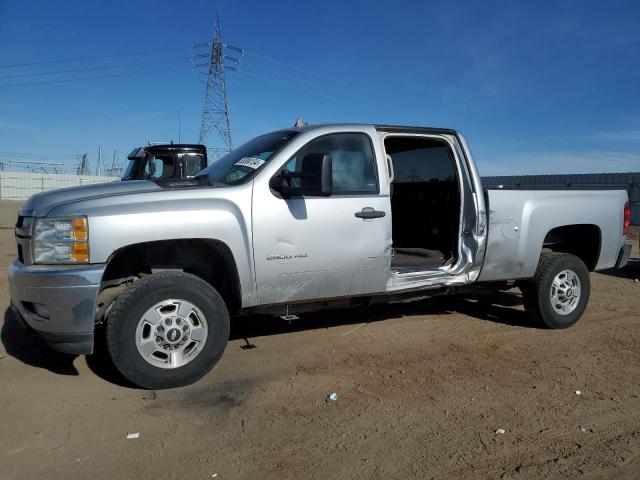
333 397
500 431
583 430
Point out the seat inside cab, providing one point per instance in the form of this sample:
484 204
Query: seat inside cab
425 203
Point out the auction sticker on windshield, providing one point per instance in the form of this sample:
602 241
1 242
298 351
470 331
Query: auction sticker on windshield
250 162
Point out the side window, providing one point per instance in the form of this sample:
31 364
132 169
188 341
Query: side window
191 165
417 160
352 159
159 168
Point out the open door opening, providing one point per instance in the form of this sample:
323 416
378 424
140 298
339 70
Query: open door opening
425 203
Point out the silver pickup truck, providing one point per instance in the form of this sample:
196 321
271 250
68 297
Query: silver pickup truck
298 219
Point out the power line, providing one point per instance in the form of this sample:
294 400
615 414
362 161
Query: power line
300 69
606 159
145 72
239 69
101 67
98 57
292 77
38 155
312 92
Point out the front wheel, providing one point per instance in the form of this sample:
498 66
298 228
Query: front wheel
167 330
558 293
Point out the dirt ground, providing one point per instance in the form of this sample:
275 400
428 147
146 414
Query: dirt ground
421 388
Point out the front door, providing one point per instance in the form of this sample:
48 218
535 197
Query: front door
311 247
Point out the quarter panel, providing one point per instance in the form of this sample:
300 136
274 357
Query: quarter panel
519 220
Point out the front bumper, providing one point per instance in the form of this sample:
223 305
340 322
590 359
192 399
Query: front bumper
58 302
623 256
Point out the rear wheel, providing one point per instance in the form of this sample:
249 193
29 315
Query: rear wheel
167 330
558 293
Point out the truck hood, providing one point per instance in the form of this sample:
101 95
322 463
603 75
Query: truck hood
41 204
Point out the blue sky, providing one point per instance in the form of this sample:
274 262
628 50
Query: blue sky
536 87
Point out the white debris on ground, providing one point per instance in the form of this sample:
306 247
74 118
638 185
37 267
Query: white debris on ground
578 392
333 397
500 431
132 435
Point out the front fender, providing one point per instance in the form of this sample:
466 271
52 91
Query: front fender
222 214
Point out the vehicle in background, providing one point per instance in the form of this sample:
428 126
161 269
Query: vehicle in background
299 219
172 161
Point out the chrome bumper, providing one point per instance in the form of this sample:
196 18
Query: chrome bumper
58 302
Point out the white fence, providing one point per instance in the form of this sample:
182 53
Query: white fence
21 185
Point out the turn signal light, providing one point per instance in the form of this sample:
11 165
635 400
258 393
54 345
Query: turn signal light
79 229
80 251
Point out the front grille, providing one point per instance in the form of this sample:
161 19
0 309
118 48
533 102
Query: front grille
23 238
23 226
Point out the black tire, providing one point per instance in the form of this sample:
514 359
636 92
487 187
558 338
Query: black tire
536 291
141 296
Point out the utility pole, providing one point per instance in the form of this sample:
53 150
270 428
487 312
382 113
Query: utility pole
215 112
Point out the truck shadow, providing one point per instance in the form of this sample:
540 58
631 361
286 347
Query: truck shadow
492 306
100 363
631 270
28 347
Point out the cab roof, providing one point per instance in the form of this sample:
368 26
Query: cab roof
167 148
382 128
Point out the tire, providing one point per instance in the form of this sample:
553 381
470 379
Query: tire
156 311
564 309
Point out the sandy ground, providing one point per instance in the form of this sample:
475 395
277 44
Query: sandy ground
421 390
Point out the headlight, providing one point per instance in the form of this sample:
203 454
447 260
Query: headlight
61 240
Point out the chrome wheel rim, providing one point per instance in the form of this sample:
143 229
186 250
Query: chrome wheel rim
171 333
565 292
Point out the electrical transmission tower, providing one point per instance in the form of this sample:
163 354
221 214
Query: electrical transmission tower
116 169
99 162
83 168
215 112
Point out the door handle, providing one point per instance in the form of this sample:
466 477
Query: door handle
368 212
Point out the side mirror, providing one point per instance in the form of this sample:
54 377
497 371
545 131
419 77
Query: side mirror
281 183
315 178
326 176
151 161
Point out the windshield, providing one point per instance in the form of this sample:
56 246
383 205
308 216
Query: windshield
132 168
241 164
